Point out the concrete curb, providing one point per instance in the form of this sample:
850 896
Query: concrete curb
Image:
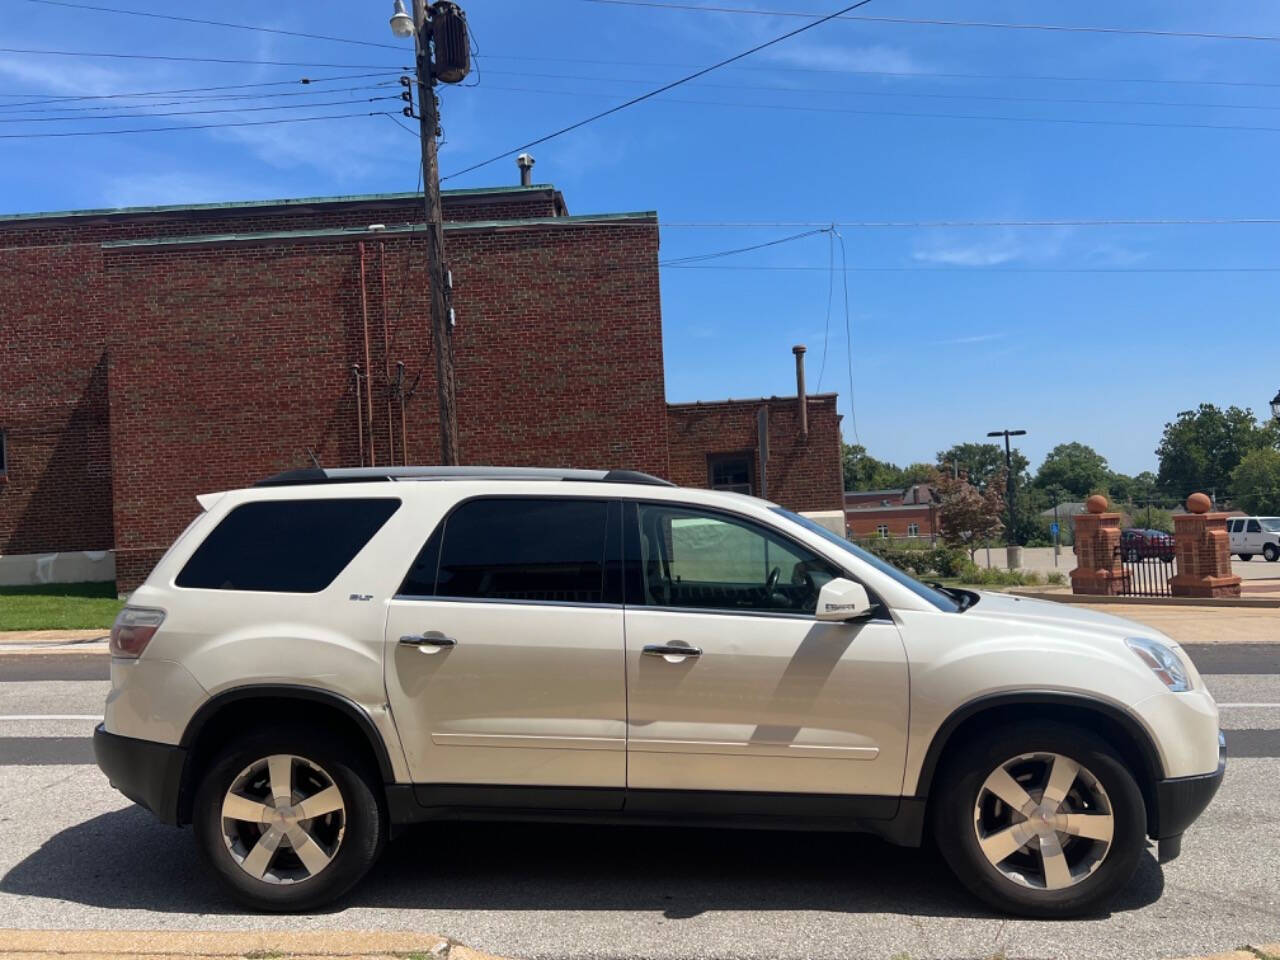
1246 602
282 945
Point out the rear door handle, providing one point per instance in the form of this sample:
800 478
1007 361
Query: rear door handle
430 638
669 650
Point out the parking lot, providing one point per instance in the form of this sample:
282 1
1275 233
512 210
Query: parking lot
76 855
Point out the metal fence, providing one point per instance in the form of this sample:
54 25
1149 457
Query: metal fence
1148 565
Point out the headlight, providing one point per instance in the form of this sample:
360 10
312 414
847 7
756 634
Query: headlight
1164 663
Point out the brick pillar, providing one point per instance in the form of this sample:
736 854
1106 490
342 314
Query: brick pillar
1098 568
1202 546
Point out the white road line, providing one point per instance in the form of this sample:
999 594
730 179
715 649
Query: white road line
13 717
1240 706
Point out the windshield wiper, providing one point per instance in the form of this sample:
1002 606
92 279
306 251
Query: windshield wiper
963 598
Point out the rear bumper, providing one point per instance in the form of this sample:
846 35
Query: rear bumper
1180 800
148 773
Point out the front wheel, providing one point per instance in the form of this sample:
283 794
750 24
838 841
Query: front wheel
1271 552
288 820
1041 821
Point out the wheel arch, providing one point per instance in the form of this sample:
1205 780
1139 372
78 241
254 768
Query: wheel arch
1122 730
236 709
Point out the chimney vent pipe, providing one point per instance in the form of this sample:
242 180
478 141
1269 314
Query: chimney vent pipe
799 350
525 163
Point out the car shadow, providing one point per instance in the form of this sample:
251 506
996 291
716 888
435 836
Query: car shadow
125 860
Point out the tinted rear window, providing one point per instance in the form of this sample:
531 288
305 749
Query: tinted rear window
285 546
525 549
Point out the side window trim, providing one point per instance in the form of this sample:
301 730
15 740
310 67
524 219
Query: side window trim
634 593
614 567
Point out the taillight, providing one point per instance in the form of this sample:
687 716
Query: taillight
133 630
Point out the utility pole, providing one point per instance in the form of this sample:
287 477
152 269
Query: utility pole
422 27
1013 550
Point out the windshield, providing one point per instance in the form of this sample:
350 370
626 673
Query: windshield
940 600
1271 524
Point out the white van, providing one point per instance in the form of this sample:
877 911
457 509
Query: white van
1251 535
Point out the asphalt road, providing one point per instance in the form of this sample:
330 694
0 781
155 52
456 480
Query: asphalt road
76 855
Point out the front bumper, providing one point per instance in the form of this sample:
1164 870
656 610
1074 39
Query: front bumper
1180 800
148 773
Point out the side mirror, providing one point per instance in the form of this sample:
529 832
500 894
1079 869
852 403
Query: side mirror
840 600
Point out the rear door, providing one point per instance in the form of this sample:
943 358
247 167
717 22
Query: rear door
1252 536
504 655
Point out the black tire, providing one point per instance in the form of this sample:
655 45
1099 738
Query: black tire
362 833
1246 557
953 819
1271 552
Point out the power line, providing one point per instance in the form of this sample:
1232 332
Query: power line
665 87
140 109
1089 101
848 337
797 108
831 288
213 23
1051 27
917 224
986 270
155 56
192 113
167 93
699 257
192 126
906 74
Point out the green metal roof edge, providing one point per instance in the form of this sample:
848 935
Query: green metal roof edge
336 233
260 204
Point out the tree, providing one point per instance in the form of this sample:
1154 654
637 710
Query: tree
864 472
1076 468
982 462
969 518
1255 482
1199 450
1137 490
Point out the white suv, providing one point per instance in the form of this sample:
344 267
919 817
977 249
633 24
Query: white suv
1253 535
336 653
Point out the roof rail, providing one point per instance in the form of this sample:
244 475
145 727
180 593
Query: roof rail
315 475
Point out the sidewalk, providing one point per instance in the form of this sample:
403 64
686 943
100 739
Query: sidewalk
160 945
53 641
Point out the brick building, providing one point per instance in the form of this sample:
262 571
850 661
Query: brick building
156 353
910 512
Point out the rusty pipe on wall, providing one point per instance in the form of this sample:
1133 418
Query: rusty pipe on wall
386 357
368 363
404 428
355 370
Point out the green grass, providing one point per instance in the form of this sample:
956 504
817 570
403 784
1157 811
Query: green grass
59 606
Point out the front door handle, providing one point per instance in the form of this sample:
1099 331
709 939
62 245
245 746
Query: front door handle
428 639
670 650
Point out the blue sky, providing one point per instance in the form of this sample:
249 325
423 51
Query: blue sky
1095 333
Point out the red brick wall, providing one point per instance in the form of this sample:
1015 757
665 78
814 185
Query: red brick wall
803 474
229 360
863 523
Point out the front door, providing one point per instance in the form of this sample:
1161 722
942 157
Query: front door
768 700
504 654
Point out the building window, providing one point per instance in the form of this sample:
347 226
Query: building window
913 529
731 471
882 531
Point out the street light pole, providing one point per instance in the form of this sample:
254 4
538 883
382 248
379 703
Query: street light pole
438 278
1014 558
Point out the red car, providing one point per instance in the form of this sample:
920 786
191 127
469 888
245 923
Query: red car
1139 544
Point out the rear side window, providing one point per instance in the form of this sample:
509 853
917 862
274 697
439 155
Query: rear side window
285 546
550 550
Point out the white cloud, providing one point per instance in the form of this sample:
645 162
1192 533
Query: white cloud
1037 245
173 187
879 58
976 338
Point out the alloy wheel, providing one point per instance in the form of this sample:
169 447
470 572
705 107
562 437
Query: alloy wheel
283 819
1044 821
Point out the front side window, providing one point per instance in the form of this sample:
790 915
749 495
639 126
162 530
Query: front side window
523 549
1254 527
710 561
285 546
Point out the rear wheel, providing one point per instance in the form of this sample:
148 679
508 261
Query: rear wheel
288 820
1042 821
1271 552
1246 557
